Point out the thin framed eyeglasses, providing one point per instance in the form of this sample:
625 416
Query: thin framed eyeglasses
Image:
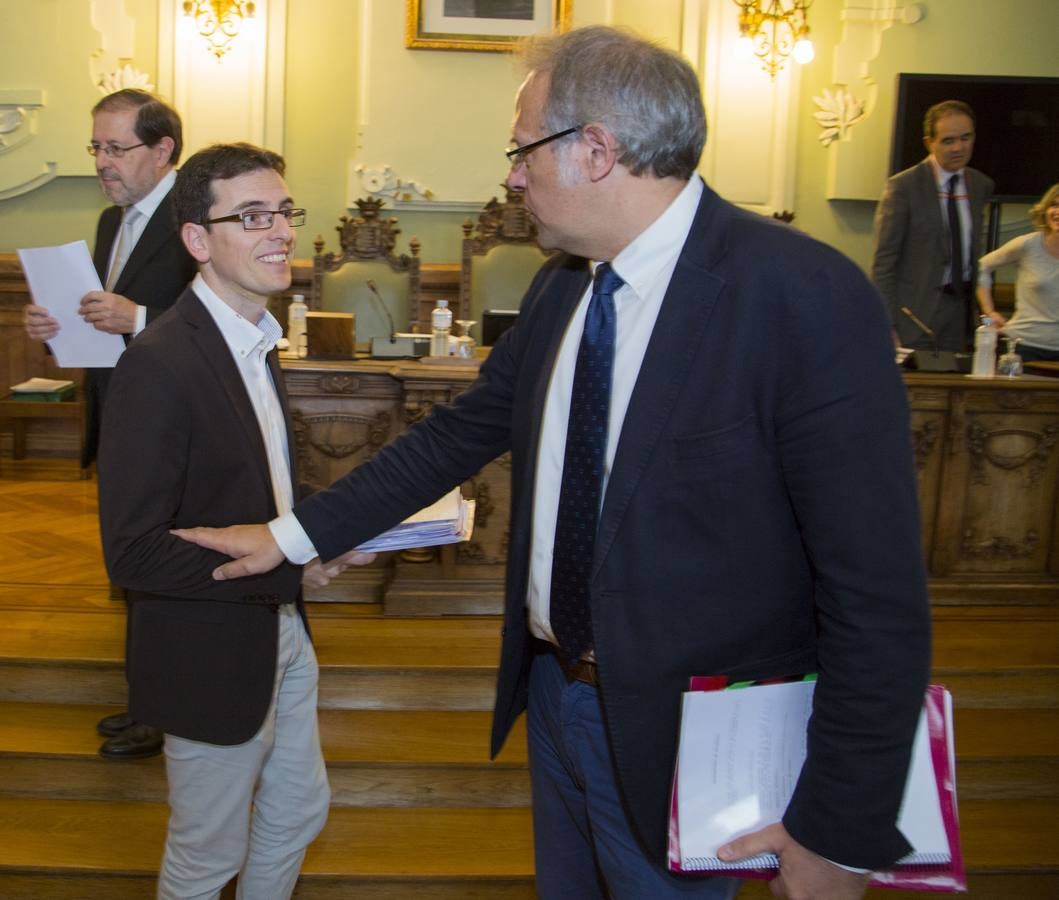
113 151
517 155
261 219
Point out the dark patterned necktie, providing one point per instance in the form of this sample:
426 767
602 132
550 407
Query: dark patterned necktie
580 491
955 239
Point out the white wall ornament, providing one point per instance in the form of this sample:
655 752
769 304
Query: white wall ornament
19 125
857 166
125 77
383 183
838 112
116 31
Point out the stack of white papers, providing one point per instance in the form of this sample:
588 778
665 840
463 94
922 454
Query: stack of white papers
447 521
40 386
58 277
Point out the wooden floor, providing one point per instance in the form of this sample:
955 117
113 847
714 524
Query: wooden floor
418 808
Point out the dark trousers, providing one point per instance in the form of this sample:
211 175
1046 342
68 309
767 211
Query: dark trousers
584 848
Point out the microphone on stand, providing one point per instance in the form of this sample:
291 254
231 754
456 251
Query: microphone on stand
936 361
922 326
385 309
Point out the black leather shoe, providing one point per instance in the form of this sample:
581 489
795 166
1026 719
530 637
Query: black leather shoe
135 742
109 726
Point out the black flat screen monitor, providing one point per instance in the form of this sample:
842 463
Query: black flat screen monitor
1017 127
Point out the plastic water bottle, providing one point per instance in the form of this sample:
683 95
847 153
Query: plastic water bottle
440 326
984 364
296 335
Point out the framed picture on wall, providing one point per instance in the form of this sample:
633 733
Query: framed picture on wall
481 24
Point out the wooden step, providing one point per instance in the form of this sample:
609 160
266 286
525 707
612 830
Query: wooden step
381 852
375 853
62 656
439 757
374 758
988 658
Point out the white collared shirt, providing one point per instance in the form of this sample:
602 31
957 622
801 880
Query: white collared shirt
146 208
249 345
942 177
646 266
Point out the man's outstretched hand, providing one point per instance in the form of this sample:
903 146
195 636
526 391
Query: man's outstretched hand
252 548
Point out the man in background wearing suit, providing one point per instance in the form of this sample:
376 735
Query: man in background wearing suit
921 261
197 428
136 142
711 474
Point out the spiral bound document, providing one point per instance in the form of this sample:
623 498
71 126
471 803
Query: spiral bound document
740 755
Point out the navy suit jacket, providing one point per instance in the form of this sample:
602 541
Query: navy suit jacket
181 445
760 518
155 274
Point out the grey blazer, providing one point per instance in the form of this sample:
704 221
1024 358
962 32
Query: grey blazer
912 243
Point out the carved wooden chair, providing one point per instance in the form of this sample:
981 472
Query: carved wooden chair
500 256
343 281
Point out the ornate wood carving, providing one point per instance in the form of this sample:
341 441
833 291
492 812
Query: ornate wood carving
315 437
367 237
923 441
998 547
341 383
1031 448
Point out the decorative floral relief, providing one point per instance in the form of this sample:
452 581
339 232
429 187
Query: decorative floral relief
124 77
382 181
10 121
839 111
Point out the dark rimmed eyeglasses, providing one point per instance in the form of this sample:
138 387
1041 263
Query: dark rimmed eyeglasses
113 151
517 155
261 219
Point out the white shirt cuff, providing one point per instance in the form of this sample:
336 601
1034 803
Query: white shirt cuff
847 868
141 320
288 533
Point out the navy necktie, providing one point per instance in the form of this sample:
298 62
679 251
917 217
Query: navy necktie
955 239
580 490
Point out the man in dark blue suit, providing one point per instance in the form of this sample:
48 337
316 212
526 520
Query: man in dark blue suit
744 501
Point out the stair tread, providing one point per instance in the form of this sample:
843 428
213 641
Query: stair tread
349 736
370 843
998 835
98 637
462 736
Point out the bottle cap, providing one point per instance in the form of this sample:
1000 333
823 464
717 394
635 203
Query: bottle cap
297 298
443 303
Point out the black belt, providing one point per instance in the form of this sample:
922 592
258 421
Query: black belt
583 670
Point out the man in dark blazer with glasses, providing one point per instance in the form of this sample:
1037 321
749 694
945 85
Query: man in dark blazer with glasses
136 143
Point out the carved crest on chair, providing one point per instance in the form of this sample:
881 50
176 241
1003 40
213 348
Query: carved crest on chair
367 236
501 223
498 223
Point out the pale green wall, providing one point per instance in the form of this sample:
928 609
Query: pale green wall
469 130
1016 37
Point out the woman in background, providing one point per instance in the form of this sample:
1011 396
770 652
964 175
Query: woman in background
1035 322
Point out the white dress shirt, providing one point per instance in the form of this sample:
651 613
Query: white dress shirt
646 266
249 345
146 208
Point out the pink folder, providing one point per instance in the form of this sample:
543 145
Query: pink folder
946 876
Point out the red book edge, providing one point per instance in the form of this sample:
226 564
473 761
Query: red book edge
948 877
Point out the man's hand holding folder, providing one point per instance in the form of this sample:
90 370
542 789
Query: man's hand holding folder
802 874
